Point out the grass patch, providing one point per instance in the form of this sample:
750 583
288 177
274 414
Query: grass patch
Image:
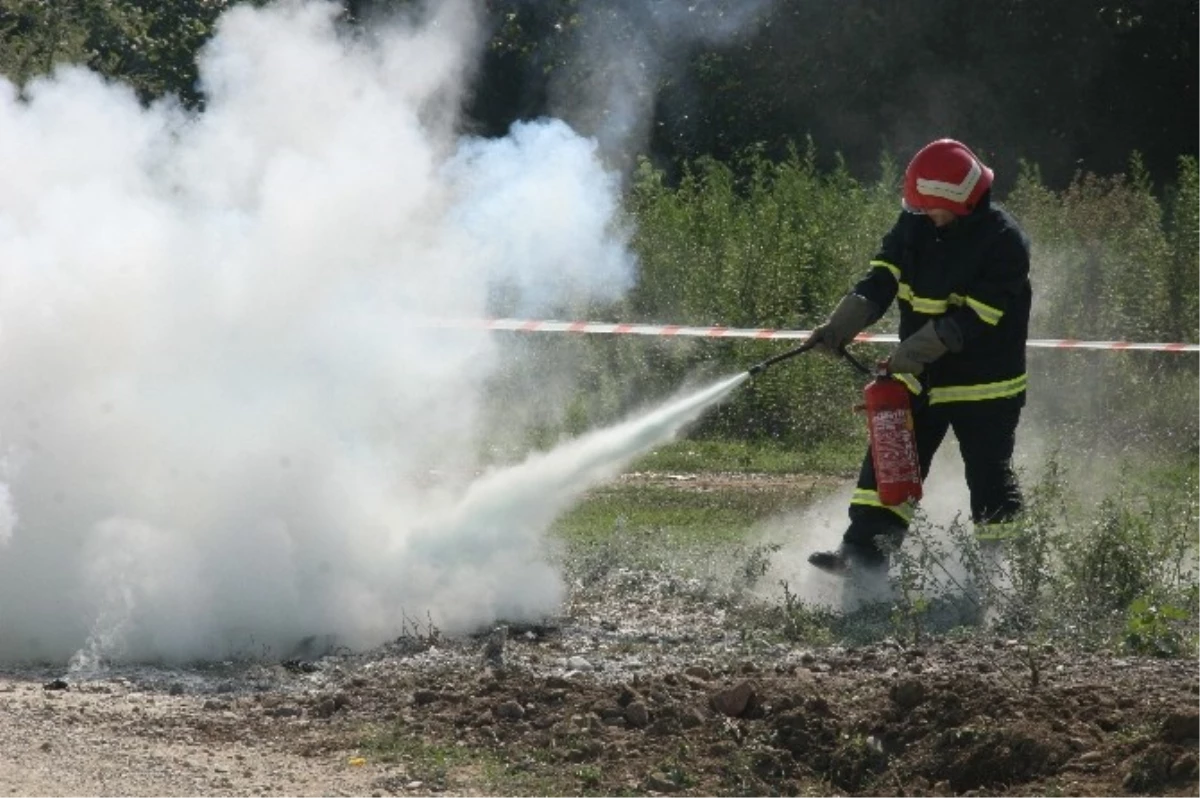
396 745
444 766
832 458
670 517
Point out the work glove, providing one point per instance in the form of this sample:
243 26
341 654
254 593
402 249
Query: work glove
849 318
917 351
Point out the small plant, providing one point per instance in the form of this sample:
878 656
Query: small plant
757 563
675 768
912 604
1114 567
415 636
943 579
1155 629
855 761
589 776
801 622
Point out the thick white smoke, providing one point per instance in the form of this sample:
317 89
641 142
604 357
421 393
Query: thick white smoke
216 413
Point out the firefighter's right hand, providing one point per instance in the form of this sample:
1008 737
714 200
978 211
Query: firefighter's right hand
917 351
849 318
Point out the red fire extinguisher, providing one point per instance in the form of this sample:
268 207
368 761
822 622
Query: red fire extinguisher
890 424
893 444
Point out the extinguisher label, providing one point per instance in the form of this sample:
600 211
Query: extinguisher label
895 454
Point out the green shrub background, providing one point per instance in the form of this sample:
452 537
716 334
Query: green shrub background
776 244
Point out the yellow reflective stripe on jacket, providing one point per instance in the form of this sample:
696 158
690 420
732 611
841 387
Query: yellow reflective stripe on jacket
986 313
977 393
930 307
883 264
870 498
934 307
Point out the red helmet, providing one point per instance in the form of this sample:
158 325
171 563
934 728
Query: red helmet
945 174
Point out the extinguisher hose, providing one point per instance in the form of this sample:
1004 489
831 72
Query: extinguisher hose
804 347
759 368
853 361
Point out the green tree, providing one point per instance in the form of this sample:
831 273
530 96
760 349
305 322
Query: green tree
151 46
35 36
1183 270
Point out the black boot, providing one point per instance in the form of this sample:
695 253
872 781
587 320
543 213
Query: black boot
850 557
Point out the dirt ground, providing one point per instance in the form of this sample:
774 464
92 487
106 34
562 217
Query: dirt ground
646 684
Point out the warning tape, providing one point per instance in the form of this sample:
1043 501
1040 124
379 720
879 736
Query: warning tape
675 330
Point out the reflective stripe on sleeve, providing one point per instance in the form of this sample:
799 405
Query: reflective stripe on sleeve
910 382
870 498
930 307
936 307
977 393
986 313
883 264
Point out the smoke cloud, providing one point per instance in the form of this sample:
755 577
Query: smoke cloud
626 49
218 419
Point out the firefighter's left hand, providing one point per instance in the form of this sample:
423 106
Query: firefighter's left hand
917 351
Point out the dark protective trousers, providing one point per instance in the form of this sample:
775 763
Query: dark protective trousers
986 433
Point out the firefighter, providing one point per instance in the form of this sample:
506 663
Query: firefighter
959 266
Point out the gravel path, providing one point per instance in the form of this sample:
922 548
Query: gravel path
110 738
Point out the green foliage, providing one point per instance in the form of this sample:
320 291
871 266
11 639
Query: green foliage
1156 630
1101 253
1183 272
1030 554
759 244
726 76
1118 574
773 243
1109 263
35 36
589 776
150 46
1113 562
1136 558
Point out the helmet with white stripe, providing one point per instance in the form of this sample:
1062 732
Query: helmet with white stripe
945 174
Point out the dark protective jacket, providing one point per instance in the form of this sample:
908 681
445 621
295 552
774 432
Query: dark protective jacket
973 272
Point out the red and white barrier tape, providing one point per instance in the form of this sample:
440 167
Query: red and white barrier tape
674 330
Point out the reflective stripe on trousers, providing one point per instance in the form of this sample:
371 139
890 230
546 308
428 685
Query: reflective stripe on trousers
870 498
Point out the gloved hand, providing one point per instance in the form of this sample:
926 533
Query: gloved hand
849 318
917 351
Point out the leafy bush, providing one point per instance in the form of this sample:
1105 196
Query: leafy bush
1120 573
1157 630
1110 565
